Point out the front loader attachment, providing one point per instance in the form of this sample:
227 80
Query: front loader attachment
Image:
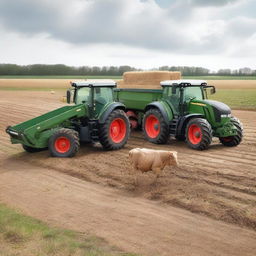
35 132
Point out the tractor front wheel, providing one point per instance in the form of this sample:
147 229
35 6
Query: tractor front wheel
198 134
155 128
64 143
233 141
114 133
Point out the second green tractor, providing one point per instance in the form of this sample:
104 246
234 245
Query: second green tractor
181 109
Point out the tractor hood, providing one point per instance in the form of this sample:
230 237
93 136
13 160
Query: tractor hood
220 109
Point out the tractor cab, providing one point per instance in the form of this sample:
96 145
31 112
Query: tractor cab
180 93
95 94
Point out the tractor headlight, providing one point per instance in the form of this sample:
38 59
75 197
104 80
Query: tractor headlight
226 115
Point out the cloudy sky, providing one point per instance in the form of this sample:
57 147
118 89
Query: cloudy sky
142 33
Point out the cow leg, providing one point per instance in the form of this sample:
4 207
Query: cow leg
133 169
135 175
136 179
157 172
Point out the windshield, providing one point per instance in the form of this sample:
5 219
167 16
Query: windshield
103 95
83 95
193 92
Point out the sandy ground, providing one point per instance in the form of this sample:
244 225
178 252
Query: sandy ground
132 224
101 197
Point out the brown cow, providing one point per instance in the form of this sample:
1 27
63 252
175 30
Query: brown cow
145 160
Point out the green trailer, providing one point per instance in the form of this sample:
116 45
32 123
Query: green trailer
94 116
181 109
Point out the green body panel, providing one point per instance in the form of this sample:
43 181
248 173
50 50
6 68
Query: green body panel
137 98
100 112
223 128
36 132
168 109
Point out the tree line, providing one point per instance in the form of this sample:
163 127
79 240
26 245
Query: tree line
63 70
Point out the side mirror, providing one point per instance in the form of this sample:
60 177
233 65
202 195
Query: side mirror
68 96
174 89
213 90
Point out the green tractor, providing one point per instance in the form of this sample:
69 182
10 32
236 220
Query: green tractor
95 117
181 109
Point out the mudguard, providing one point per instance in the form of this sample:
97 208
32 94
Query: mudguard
113 106
183 122
161 108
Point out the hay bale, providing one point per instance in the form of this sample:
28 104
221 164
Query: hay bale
146 79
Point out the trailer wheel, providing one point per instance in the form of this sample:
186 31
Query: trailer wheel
198 134
114 133
64 143
31 149
233 141
155 128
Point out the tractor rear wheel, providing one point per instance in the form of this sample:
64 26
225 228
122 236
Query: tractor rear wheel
155 128
233 141
31 149
64 143
114 133
198 134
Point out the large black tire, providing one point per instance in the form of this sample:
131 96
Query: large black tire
198 134
233 141
64 143
31 149
154 127
114 133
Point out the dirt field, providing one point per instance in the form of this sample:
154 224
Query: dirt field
65 83
219 183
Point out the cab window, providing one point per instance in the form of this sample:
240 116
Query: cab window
174 98
83 95
193 93
103 95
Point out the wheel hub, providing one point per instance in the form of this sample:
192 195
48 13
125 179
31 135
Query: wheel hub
156 126
197 134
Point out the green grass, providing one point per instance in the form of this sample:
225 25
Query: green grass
236 98
21 235
60 77
221 77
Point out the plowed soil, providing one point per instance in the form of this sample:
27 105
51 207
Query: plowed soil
65 83
219 183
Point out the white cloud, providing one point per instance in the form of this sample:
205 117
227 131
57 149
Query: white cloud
105 29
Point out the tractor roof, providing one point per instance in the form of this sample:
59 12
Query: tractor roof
94 83
184 82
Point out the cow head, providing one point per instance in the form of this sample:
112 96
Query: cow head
173 157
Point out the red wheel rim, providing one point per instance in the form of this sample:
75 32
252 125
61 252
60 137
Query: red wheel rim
152 126
62 144
194 134
117 130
